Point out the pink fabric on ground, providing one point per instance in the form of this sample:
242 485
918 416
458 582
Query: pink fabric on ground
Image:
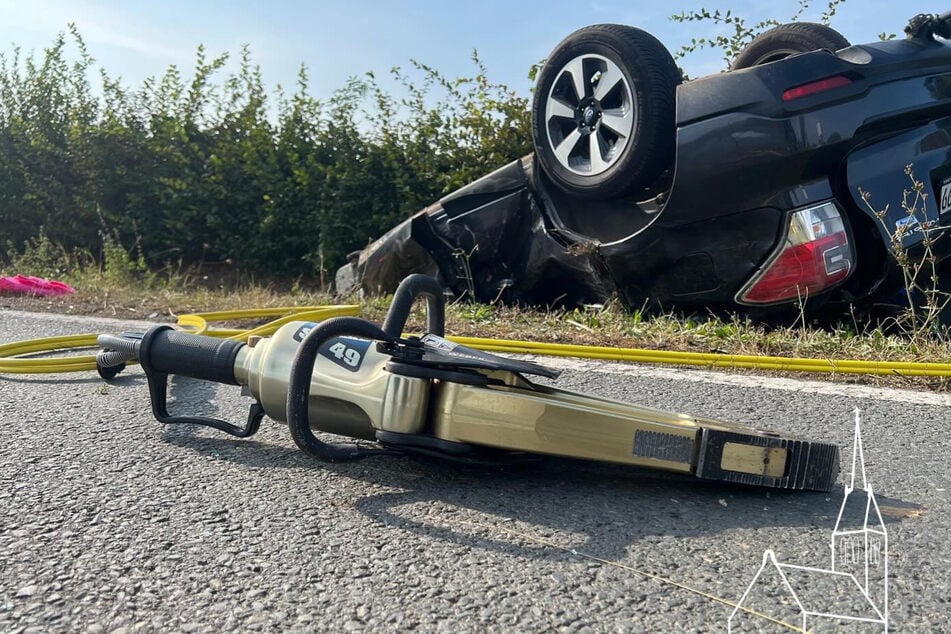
28 285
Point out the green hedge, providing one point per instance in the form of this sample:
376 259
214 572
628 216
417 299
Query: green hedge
211 167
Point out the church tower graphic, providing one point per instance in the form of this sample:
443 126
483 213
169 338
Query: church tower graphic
853 591
859 540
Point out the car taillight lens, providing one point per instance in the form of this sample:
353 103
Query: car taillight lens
815 254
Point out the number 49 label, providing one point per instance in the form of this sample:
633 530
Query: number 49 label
346 352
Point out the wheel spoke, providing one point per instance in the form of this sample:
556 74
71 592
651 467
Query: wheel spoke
598 164
558 109
566 146
609 79
618 121
575 69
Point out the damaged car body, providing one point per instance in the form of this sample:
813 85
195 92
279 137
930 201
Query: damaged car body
742 190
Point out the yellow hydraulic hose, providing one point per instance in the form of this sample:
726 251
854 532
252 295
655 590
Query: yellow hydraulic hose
10 364
714 360
10 353
198 323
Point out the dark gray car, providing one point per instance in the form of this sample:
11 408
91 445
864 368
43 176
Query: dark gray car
740 190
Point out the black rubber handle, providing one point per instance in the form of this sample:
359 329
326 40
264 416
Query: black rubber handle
412 287
167 351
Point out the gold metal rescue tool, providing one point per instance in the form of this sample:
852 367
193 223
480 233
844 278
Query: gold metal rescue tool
348 377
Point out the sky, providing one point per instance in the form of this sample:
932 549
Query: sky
338 40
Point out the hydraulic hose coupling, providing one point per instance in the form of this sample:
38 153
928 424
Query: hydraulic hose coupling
116 351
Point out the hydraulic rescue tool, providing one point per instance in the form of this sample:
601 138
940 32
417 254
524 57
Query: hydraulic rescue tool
427 395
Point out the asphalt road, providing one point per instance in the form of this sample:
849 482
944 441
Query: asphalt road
111 522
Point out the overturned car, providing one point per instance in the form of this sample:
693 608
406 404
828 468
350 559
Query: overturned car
777 183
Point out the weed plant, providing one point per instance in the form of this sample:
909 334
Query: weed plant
926 300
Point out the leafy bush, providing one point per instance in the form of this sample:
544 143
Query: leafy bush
40 256
732 31
210 168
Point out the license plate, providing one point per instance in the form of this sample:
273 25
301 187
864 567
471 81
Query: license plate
945 196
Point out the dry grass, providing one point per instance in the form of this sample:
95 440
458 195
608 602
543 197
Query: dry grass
610 325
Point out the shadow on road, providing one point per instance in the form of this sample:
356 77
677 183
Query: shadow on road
59 379
600 509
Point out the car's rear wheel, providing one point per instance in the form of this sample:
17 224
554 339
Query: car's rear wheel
788 39
603 112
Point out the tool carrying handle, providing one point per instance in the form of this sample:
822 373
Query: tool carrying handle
165 351
411 288
298 387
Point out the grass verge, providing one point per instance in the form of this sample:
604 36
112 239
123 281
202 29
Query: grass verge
164 295
118 283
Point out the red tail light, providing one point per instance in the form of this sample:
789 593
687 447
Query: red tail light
816 87
815 255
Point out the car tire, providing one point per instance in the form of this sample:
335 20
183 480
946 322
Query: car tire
788 39
600 140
